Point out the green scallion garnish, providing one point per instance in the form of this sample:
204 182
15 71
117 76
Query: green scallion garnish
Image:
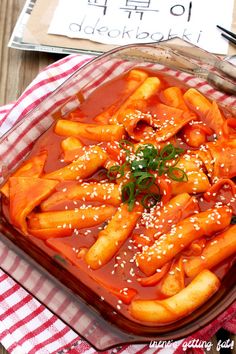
124 143
141 165
168 152
113 172
150 200
176 174
144 180
138 165
128 194
116 171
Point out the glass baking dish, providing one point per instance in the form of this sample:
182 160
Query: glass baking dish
192 67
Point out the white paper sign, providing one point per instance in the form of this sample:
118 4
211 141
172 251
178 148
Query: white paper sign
141 21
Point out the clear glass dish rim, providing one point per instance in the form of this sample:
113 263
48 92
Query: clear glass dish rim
229 298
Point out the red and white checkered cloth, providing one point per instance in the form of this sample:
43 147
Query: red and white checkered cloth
26 326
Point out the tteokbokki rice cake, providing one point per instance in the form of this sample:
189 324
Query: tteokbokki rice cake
135 188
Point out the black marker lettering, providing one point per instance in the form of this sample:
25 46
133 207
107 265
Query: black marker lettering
92 28
157 36
126 33
171 35
141 35
76 27
198 39
186 35
114 33
190 11
102 30
177 10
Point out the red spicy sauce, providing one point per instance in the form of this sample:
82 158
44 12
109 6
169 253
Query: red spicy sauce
121 270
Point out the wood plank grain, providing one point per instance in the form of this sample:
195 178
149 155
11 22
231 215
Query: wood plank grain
17 68
3 350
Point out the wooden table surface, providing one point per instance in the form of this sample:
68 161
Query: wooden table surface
18 68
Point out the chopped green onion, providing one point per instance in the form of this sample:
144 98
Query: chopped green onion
116 171
179 151
162 168
150 200
137 165
123 143
154 164
156 189
144 180
148 152
146 158
175 162
113 172
122 170
176 174
168 152
102 172
128 194
131 204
